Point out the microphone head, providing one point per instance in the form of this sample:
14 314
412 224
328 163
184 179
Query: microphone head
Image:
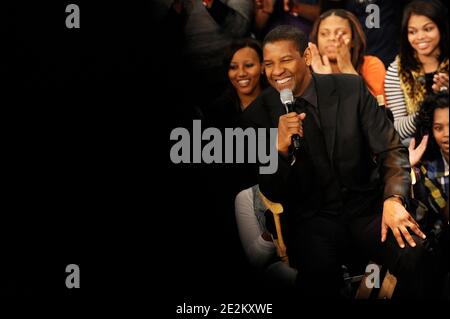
286 96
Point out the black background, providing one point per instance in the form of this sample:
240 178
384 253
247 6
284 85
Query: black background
87 115
88 178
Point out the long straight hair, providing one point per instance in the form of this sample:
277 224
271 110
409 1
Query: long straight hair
358 37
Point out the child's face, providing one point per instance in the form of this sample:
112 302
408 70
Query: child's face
440 128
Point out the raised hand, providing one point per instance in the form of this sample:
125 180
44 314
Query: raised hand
319 64
416 153
343 56
440 82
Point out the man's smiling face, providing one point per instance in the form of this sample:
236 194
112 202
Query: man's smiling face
285 67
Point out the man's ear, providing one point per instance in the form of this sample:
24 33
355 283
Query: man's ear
307 56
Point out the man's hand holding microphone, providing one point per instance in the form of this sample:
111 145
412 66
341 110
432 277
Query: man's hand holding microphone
290 128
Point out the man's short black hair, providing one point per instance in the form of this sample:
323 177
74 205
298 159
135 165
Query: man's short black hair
287 33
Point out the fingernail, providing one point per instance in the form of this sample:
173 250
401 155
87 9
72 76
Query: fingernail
423 236
413 245
402 246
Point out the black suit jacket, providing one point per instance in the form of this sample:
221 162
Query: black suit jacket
363 148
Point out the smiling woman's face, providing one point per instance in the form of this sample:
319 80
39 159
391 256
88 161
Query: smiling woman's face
423 35
245 70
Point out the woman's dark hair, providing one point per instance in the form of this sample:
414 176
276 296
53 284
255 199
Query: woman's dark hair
358 37
435 11
425 122
235 46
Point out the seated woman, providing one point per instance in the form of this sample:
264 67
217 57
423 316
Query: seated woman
422 65
431 176
257 241
338 46
244 70
431 164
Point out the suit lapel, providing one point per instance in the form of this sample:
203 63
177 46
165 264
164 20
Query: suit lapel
328 102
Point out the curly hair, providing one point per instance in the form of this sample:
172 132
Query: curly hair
425 121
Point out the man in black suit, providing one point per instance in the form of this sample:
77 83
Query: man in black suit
346 189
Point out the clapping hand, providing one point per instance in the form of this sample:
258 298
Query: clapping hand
440 82
319 64
343 56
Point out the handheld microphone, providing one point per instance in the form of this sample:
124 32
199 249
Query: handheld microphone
287 98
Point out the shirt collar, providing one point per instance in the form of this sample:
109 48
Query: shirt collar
310 94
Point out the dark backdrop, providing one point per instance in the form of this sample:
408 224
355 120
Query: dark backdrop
88 178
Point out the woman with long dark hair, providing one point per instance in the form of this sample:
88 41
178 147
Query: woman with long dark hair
339 45
244 70
422 65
